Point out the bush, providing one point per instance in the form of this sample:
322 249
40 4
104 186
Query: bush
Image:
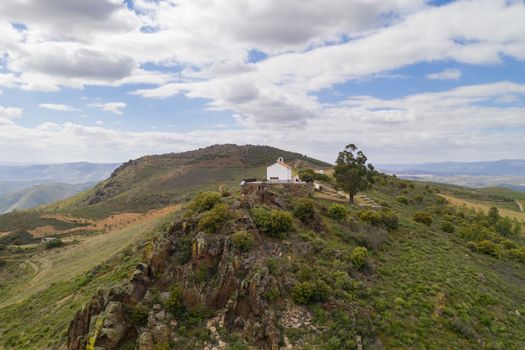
274 222
517 254
306 175
175 303
418 198
423 218
243 241
447 226
371 217
504 226
205 201
490 248
389 219
337 212
138 315
310 292
303 209
54 243
358 257
402 199
214 220
384 218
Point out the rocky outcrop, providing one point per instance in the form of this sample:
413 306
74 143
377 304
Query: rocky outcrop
233 288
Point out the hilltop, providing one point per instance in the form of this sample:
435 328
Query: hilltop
158 180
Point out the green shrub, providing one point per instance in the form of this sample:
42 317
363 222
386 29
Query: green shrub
447 226
54 243
423 218
306 175
214 219
517 254
274 222
138 315
418 198
490 248
471 245
504 226
243 241
337 212
371 217
390 220
358 257
384 218
310 292
205 201
303 209
175 303
402 199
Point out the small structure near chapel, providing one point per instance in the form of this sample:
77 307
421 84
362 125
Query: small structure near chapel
279 171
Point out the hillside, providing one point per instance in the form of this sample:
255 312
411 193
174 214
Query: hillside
155 181
404 269
273 270
38 195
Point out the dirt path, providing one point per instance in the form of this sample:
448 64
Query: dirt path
62 264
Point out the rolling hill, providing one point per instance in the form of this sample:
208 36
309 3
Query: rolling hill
155 181
502 173
39 195
143 263
504 167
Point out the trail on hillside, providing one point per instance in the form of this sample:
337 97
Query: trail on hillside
65 263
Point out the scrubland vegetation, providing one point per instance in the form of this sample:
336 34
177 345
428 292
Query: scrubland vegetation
414 273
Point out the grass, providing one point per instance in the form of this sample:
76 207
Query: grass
484 207
66 263
38 305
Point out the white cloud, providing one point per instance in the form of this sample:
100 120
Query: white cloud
57 107
113 107
202 48
446 74
450 124
7 114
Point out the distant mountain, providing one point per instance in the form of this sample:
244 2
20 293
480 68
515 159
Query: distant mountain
505 167
38 195
502 173
70 173
14 186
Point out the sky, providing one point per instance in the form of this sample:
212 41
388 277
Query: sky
406 80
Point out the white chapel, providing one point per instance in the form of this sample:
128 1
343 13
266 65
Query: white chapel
279 171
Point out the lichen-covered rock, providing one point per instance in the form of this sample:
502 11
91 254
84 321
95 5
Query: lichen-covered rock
114 326
145 341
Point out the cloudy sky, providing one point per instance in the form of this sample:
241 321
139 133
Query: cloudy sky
406 80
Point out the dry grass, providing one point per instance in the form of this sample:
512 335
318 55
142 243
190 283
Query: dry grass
485 208
70 261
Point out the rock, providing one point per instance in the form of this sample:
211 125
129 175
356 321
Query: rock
145 341
114 326
161 333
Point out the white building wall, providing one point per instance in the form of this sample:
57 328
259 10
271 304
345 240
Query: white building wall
279 171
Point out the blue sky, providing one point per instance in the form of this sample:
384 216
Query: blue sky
406 80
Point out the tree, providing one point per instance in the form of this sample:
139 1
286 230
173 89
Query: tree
352 174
